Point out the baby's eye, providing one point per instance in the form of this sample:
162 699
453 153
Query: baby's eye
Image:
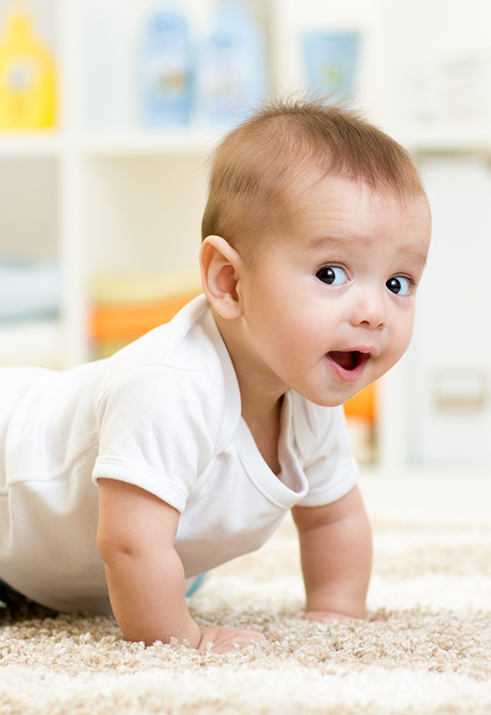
332 275
401 285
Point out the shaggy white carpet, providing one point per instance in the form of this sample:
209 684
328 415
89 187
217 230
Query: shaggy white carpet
426 648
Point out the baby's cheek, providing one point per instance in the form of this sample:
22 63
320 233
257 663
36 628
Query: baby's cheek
400 345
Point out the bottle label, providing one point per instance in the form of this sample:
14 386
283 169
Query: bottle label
21 74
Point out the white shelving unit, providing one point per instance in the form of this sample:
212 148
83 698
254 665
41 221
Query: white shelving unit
123 199
120 198
127 198
18 145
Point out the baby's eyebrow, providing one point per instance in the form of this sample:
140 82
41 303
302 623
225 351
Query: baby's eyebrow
321 241
416 257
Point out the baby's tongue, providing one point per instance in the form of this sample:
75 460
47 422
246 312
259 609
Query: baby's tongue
345 359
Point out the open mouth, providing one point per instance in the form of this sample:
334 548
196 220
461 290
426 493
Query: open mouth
348 360
348 364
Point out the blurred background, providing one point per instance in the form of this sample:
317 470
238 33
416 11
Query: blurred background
108 111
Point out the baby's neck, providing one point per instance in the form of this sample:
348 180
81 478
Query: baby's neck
261 391
265 428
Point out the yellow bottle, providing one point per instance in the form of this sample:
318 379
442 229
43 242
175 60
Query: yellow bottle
27 75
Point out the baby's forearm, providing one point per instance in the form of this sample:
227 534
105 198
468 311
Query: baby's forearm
148 597
145 575
336 550
148 600
337 577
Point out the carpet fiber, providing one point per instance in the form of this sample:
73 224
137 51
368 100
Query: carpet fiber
425 649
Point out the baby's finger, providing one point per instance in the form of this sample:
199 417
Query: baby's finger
235 643
225 640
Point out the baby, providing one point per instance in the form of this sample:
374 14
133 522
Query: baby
123 477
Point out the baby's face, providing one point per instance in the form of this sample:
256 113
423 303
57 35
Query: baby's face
330 301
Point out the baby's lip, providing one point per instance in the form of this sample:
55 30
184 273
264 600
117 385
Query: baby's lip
350 364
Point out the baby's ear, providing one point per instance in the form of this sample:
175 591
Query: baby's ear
220 265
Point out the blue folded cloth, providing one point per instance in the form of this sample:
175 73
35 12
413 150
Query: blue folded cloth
194 583
29 291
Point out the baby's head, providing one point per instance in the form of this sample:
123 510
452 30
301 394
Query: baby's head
316 233
263 167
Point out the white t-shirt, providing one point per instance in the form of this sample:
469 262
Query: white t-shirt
164 414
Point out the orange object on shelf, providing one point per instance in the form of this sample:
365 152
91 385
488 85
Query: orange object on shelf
122 322
363 404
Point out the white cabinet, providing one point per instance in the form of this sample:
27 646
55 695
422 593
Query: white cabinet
449 370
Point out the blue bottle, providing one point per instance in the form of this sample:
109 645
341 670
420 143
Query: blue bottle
232 67
331 63
167 75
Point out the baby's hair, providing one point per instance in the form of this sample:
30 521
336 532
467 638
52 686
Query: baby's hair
256 169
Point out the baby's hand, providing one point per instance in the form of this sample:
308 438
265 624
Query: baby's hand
223 639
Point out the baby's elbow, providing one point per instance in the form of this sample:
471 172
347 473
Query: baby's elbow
114 546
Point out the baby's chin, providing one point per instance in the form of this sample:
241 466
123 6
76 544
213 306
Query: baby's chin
335 400
329 401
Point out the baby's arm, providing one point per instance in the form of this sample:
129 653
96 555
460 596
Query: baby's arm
144 573
336 552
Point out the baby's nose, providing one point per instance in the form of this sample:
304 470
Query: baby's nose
370 310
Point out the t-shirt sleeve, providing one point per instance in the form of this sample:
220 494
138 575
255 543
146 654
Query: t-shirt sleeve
156 432
325 451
